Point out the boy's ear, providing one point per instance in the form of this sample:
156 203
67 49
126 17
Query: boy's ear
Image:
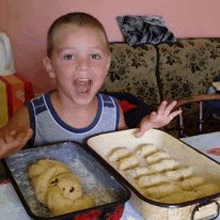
109 62
48 66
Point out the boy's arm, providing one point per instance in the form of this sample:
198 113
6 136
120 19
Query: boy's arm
122 124
157 119
16 133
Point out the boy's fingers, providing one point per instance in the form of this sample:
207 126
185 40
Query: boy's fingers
174 114
23 137
30 132
162 107
27 137
139 133
169 108
14 141
10 136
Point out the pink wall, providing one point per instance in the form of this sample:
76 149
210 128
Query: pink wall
26 23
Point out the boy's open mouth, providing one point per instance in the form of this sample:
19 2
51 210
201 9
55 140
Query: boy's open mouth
82 85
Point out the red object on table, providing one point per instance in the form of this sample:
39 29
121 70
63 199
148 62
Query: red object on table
214 151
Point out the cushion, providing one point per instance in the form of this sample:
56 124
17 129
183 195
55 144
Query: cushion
133 70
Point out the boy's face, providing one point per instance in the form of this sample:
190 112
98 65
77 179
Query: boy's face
79 63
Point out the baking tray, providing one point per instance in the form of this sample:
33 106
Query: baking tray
110 195
203 208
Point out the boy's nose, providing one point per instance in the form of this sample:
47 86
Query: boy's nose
83 63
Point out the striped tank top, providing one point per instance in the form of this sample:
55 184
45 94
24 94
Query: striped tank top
48 127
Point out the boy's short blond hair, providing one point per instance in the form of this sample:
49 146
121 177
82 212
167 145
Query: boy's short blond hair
77 18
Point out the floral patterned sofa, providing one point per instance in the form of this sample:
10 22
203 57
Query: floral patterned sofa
164 71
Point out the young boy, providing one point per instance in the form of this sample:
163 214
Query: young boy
78 58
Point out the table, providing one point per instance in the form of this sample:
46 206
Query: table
208 144
12 209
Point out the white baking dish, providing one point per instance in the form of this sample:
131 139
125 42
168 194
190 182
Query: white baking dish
198 209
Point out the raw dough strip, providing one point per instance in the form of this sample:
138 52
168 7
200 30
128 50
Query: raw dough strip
182 196
145 150
161 191
138 171
192 182
150 180
207 189
119 153
166 164
185 196
157 157
179 174
127 162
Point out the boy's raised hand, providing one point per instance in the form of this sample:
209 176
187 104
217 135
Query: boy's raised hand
14 141
159 118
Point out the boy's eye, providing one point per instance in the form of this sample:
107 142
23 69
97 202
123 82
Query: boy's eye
68 57
96 56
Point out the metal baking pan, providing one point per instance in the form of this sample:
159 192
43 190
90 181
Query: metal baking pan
203 208
110 195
